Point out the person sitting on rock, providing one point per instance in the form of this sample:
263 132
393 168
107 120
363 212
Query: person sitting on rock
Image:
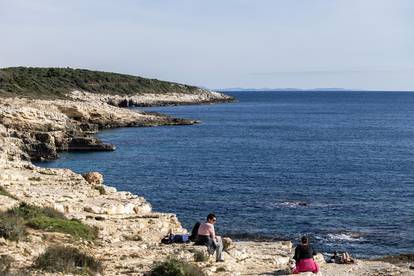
207 236
304 258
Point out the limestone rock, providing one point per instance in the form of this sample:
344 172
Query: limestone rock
74 112
88 144
3 242
109 190
7 203
227 244
93 178
142 209
94 209
281 261
319 259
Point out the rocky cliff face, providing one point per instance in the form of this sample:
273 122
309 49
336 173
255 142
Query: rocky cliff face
129 231
198 96
45 128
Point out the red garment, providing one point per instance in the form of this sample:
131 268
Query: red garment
305 265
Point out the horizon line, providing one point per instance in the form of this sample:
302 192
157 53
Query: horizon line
241 89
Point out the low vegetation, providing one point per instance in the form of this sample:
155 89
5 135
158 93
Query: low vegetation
11 227
50 83
5 264
67 260
174 267
14 222
200 256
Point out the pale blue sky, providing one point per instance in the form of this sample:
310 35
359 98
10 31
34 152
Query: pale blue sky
367 44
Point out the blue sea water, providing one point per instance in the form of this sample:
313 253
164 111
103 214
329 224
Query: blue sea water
337 166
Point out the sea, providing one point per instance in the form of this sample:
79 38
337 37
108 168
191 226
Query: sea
336 166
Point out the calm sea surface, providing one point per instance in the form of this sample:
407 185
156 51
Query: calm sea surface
338 166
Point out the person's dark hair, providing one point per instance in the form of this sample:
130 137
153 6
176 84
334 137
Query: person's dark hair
304 240
211 216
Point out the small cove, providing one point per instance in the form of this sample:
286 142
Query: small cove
338 166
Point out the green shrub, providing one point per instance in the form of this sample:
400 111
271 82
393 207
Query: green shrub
13 222
73 227
56 82
28 212
67 260
174 267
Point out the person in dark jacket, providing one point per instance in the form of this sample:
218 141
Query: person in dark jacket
304 257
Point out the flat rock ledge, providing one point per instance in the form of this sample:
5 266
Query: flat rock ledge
129 231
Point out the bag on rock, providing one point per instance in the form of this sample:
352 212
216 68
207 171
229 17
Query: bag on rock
194 232
344 258
178 238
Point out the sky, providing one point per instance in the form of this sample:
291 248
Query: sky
355 44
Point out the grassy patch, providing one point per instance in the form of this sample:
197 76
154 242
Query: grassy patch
35 82
29 212
67 260
73 227
174 267
47 219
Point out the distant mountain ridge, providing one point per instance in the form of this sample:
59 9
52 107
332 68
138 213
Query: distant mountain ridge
284 89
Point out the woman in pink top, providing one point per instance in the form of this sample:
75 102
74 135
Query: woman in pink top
207 236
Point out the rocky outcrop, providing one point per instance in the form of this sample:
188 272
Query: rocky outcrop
88 144
93 178
199 96
45 129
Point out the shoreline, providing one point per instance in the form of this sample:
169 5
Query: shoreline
70 193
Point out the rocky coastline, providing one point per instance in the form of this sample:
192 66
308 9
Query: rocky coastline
129 231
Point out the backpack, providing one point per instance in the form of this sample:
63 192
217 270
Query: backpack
194 232
178 238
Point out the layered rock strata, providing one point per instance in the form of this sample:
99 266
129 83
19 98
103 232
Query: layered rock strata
43 128
199 96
